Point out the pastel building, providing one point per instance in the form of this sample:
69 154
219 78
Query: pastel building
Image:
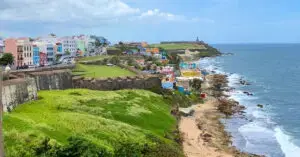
81 50
50 53
47 50
59 49
11 47
27 50
36 55
43 58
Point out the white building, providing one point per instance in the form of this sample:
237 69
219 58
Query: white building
48 39
69 45
1 46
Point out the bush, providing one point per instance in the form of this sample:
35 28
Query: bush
128 149
45 147
115 60
82 148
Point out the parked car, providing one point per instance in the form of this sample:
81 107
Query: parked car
32 66
47 64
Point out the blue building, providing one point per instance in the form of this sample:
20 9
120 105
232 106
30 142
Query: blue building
59 49
36 55
50 54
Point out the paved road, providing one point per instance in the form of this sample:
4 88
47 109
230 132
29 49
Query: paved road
60 66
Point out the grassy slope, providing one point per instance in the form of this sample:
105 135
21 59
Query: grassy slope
99 71
101 117
93 58
178 46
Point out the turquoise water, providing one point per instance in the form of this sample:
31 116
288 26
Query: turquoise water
274 73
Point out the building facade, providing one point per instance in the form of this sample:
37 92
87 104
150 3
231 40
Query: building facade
27 51
43 59
36 55
69 45
24 52
50 54
1 46
81 50
11 47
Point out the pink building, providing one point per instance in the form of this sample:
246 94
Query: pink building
11 47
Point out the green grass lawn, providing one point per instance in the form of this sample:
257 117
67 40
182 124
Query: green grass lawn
99 71
93 58
102 117
178 46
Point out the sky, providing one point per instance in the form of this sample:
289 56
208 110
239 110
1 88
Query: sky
213 21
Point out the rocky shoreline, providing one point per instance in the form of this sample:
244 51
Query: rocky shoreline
206 135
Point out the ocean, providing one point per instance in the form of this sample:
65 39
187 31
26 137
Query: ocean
273 71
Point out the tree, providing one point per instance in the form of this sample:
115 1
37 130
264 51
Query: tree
196 85
122 46
67 52
7 58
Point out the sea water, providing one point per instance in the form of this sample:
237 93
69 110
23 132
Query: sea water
274 73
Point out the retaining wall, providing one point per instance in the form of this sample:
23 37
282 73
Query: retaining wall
18 91
136 82
49 80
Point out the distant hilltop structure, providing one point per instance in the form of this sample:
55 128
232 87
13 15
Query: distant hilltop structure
183 42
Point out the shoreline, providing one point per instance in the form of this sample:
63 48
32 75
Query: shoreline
203 133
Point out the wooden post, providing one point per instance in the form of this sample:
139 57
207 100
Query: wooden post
1 116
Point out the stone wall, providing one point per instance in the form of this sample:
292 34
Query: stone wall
136 82
49 80
18 91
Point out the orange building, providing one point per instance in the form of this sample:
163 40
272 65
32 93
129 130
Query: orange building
152 50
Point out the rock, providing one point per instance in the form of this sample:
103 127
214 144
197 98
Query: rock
243 82
248 93
186 111
207 135
260 106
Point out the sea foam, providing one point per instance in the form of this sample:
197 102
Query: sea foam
288 147
260 134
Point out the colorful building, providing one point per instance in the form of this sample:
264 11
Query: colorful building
43 58
11 47
50 54
27 50
152 50
59 49
81 49
36 55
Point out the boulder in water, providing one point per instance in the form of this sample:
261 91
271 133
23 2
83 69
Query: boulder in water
260 106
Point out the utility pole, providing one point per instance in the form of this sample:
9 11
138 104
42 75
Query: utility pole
1 115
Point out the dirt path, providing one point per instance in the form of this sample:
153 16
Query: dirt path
195 140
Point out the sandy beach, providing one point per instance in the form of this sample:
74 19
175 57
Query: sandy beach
203 133
198 143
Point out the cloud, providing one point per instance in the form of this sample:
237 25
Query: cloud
156 13
81 13
64 10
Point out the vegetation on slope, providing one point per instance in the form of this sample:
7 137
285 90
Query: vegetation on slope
81 122
179 46
93 58
99 71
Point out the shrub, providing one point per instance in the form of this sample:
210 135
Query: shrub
82 148
115 60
